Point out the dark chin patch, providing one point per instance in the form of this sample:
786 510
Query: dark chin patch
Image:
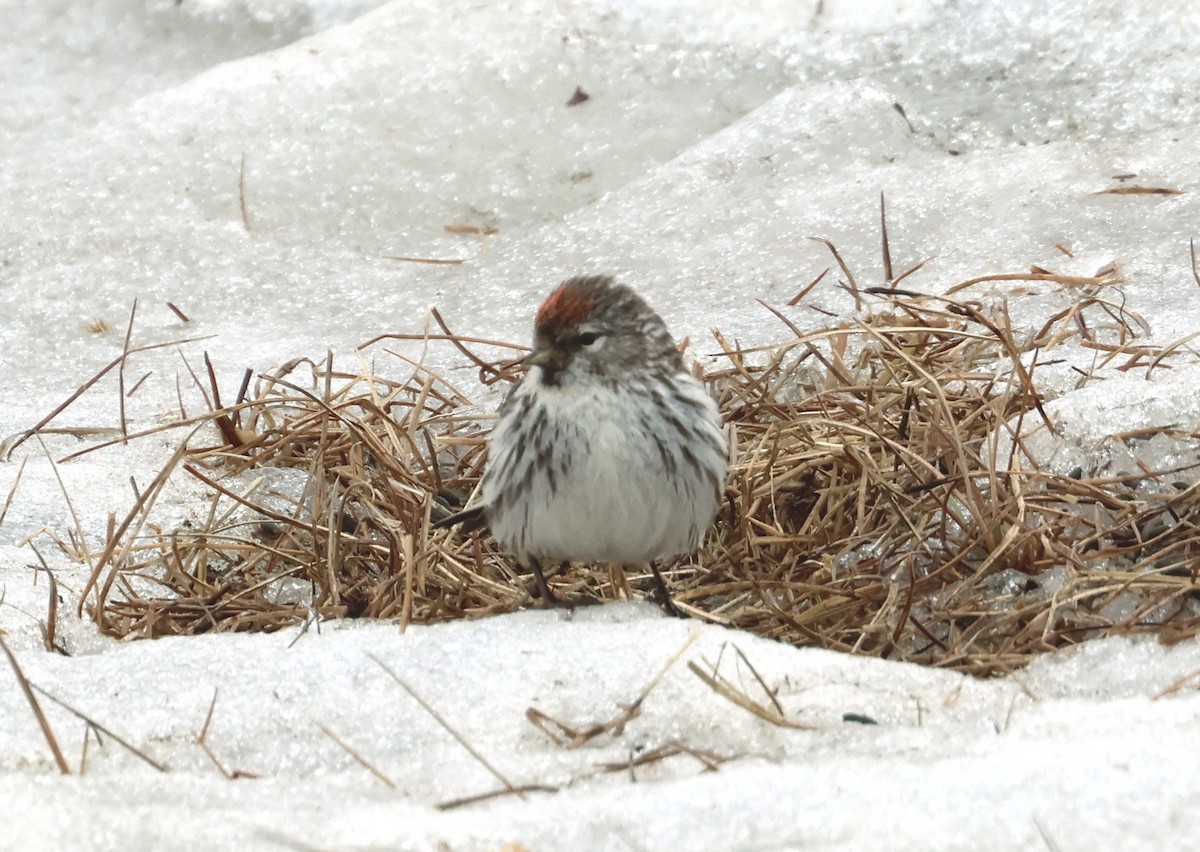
551 378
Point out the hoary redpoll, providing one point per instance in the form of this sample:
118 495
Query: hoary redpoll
609 449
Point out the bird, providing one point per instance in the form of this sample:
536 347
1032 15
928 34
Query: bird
608 449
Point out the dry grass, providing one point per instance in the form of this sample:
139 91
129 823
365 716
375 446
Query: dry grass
862 513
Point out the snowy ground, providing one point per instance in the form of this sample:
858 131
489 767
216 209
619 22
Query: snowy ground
712 144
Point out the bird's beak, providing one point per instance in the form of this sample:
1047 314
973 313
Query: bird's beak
548 358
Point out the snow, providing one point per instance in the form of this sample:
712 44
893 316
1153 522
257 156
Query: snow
713 143
1075 743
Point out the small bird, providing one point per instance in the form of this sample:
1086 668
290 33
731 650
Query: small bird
609 449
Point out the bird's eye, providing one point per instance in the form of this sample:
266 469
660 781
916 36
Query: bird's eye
588 338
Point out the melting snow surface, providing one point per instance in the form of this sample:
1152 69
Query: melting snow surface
713 142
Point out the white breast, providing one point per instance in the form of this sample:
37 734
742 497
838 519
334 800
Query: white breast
617 482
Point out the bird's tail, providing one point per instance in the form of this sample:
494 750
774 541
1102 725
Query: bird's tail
471 518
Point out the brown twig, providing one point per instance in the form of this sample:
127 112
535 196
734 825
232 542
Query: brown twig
774 715
1073 280
202 741
616 725
43 723
1177 684
241 197
12 491
858 303
50 631
887 250
448 261
495 794
93 725
357 757
441 720
121 369
22 437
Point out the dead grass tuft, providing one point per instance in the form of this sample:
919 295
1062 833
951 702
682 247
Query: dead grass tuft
863 510
864 514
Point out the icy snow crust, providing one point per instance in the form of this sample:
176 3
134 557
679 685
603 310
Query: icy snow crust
712 144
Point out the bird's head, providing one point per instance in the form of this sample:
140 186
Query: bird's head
593 329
